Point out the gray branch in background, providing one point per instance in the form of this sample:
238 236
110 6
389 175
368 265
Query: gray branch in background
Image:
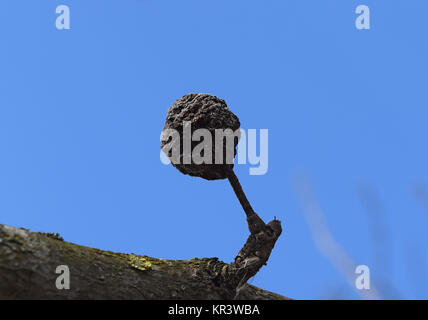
420 191
325 241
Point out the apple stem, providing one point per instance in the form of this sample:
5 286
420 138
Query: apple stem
236 185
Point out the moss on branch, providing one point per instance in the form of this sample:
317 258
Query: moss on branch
28 261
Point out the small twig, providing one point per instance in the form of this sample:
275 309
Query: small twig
233 179
255 223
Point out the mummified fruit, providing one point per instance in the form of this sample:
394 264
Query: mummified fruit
201 111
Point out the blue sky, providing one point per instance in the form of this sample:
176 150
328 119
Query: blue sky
81 113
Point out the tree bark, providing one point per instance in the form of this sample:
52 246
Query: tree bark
28 262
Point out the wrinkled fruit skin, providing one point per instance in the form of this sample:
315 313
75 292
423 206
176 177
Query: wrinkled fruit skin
203 111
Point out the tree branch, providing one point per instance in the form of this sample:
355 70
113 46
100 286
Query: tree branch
259 245
28 261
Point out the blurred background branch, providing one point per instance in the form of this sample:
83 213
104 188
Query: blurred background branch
324 239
